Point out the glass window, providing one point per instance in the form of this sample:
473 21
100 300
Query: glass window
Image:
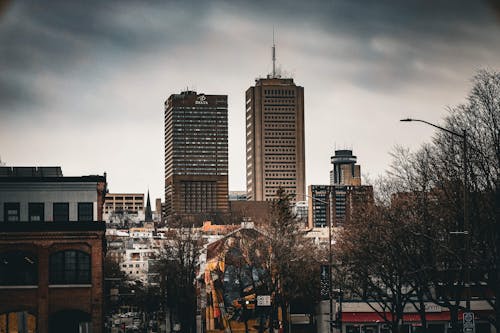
352 329
69 267
18 268
11 211
36 211
19 321
61 211
85 211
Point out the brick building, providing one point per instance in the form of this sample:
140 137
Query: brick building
51 251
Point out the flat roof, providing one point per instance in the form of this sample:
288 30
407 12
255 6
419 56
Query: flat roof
20 226
80 179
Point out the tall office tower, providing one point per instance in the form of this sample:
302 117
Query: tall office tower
345 170
275 137
196 154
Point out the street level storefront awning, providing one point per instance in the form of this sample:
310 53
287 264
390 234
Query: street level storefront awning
372 317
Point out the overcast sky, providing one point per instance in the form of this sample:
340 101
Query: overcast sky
82 85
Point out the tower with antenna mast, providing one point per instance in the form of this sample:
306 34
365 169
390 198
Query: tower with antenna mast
273 52
275 136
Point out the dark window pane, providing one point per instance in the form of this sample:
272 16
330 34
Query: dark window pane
36 211
61 212
18 268
70 267
85 211
11 211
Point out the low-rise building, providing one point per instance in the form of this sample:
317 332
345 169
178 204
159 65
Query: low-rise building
51 251
120 208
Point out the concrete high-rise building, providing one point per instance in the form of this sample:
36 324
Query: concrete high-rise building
196 154
274 138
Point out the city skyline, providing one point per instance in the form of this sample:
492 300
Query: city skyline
83 85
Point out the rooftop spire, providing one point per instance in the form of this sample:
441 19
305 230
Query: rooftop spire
274 57
148 213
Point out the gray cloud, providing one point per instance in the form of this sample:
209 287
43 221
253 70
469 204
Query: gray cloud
393 36
80 74
52 37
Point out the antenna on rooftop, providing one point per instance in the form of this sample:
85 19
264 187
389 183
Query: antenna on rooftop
274 56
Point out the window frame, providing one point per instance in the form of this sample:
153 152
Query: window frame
70 267
81 207
24 269
31 206
9 206
56 218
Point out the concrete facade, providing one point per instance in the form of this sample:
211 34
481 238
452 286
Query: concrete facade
274 138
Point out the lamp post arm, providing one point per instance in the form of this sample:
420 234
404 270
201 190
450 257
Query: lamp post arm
436 126
466 222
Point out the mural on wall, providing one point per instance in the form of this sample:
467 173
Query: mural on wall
236 273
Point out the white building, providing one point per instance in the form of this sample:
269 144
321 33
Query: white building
55 199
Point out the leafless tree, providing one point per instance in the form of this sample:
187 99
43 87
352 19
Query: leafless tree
293 260
423 196
177 267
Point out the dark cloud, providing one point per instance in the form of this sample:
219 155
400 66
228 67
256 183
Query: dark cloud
394 42
53 36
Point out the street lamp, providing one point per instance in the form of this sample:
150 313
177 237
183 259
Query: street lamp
330 262
465 232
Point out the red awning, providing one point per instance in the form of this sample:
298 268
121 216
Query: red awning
372 317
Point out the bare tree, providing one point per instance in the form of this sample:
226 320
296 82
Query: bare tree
429 185
177 267
293 262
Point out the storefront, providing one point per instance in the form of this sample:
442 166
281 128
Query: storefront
437 322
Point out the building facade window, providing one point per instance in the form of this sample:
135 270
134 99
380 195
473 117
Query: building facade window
11 211
15 321
85 211
69 267
36 212
61 211
18 268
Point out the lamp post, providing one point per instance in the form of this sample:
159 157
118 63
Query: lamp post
466 226
330 261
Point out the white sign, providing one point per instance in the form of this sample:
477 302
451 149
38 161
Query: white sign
264 300
202 99
468 322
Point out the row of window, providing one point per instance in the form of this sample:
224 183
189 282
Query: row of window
274 117
279 183
290 110
279 125
116 198
280 150
283 157
279 92
65 267
280 174
280 142
36 211
278 101
270 166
